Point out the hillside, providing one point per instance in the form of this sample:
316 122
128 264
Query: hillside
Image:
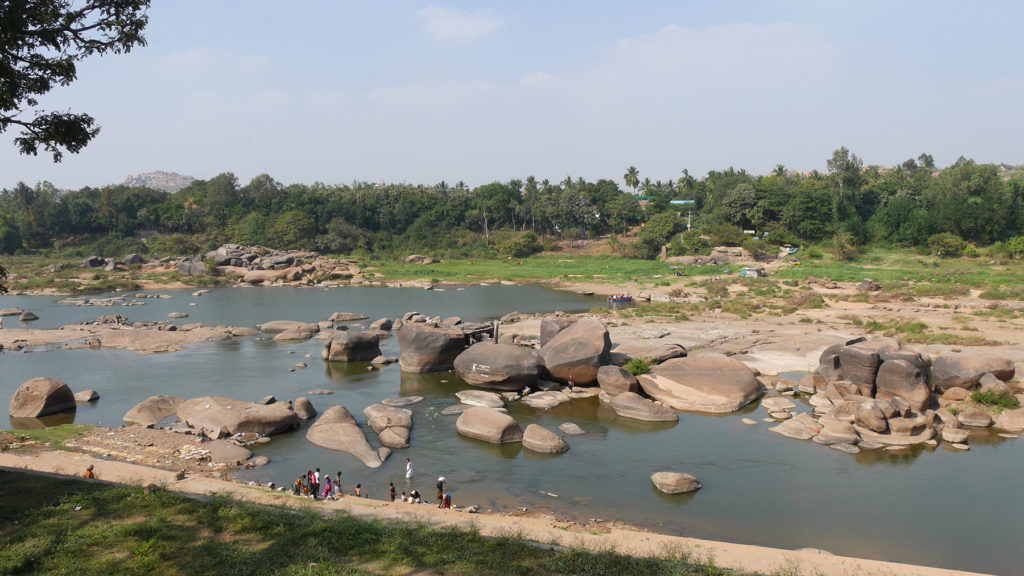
160 180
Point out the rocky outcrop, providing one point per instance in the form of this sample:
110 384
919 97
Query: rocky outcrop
489 425
294 335
428 348
966 369
339 317
539 439
42 396
227 416
577 352
635 406
546 399
710 384
337 430
657 352
351 347
675 482
153 410
614 380
498 366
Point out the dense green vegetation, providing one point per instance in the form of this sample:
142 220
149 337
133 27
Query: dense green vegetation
947 212
62 526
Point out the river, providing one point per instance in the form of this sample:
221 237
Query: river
935 507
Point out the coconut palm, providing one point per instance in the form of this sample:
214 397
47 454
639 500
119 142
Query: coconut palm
632 178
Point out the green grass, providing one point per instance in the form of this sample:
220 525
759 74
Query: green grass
638 366
1003 399
53 437
61 526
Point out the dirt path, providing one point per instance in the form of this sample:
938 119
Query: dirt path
538 529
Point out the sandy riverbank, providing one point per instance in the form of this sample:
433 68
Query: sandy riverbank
541 529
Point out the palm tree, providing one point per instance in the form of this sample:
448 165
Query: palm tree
646 185
632 178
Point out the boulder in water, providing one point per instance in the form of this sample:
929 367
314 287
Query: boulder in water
218 414
426 348
675 482
42 396
351 347
635 406
539 439
702 384
577 352
489 425
337 430
498 366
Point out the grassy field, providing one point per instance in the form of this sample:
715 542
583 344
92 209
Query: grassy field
66 526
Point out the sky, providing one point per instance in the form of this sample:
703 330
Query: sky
419 92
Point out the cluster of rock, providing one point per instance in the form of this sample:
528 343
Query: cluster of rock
873 394
111 264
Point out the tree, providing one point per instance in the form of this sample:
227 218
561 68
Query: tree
41 42
3 274
632 178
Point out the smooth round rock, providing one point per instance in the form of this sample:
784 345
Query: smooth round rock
675 482
571 429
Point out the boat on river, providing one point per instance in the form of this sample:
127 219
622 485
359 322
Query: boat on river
620 298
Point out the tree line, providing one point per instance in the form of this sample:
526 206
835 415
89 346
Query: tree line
911 204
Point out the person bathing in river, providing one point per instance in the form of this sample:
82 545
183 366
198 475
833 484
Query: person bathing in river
440 491
337 486
359 490
297 487
391 489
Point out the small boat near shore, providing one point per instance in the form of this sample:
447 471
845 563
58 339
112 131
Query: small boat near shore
620 298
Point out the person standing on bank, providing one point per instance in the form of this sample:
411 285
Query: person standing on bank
392 490
440 491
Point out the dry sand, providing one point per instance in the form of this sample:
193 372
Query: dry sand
538 529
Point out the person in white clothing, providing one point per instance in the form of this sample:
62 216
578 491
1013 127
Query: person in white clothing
408 468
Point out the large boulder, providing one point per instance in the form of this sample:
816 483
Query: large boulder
635 406
899 378
539 439
965 370
226 415
426 348
1011 420
860 365
275 326
546 399
675 482
550 326
153 410
498 366
351 347
489 425
614 380
381 417
337 430
713 385
577 352
262 276
42 396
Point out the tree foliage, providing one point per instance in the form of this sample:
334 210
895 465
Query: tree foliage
41 43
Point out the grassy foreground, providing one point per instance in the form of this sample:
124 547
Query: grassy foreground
68 526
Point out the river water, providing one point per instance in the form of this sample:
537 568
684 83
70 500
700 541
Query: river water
936 507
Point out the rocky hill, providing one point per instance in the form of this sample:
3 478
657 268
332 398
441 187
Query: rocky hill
160 180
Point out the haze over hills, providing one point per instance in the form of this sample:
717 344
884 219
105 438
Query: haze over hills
160 180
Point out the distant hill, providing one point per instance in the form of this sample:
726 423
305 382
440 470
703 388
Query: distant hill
160 180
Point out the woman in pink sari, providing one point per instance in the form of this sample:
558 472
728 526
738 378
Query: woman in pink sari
327 487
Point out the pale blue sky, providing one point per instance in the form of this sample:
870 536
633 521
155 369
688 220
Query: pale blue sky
421 92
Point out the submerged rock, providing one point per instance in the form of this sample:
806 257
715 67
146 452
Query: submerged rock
539 439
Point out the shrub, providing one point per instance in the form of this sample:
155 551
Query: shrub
759 249
1002 399
947 245
638 366
726 235
173 245
690 242
520 245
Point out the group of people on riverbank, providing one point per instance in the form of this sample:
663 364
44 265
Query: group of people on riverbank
317 486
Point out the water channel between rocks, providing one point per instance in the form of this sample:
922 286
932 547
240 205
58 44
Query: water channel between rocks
924 506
